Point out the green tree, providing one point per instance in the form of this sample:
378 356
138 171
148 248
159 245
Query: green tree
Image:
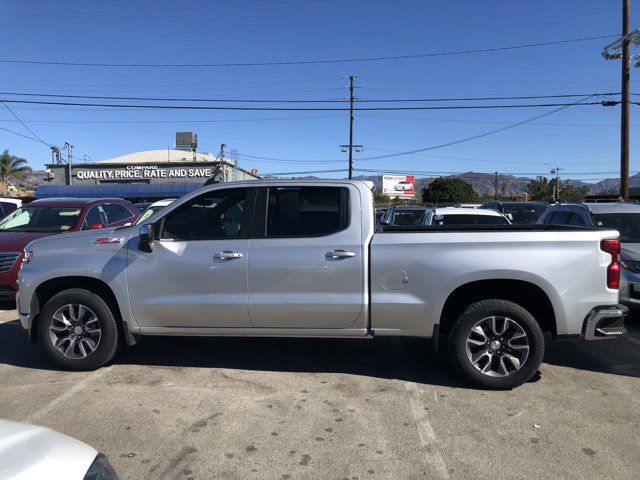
542 188
381 199
449 190
12 167
571 192
539 189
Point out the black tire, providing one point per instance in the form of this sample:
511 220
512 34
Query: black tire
110 337
476 312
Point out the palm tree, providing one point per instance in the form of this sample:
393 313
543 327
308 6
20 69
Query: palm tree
12 167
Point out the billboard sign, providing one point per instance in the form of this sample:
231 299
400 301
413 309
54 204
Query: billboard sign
399 186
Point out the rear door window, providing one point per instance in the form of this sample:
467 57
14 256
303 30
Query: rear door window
306 211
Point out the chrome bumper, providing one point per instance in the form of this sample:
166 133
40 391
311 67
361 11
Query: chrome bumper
605 322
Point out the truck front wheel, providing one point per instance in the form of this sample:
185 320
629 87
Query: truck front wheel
496 344
77 330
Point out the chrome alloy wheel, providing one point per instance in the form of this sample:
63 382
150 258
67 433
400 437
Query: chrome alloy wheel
497 346
75 331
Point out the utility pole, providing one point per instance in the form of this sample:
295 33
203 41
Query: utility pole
620 49
556 190
351 147
495 186
624 111
69 148
221 157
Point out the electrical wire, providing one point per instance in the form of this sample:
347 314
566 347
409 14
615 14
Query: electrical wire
307 62
287 109
345 100
25 125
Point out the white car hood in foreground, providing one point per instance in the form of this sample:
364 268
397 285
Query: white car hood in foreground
28 452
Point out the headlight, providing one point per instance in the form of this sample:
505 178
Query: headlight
631 265
101 470
28 256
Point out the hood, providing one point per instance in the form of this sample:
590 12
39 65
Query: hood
630 251
29 452
16 241
81 238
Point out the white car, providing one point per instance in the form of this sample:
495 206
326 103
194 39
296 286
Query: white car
403 186
463 216
29 452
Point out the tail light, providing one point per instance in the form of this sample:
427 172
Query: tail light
612 247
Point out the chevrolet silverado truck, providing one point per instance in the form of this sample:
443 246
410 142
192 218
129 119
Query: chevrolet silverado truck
304 259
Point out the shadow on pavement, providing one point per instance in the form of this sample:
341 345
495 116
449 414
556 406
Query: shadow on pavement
403 359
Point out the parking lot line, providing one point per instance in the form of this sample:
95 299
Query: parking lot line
66 395
428 438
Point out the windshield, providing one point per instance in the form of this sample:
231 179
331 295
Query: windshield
469 220
525 213
628 224
41 219
146 214
408 217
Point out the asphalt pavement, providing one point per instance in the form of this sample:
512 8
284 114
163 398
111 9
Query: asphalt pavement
204 408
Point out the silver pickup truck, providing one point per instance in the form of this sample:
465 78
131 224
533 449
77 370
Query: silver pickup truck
304 259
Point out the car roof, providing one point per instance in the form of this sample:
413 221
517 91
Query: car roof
73 202
612 207
409 207
530 202
466 211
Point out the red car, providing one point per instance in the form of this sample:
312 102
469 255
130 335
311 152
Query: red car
49 217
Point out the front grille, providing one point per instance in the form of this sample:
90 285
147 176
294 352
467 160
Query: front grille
7 260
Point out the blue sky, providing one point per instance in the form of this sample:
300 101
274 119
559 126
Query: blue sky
583 140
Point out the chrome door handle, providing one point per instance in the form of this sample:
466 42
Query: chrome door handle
340 254
227 255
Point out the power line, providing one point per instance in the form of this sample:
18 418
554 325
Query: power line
306 62
25 126
481 135
318 109
357 100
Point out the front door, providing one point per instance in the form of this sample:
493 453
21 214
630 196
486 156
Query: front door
196 275
307 270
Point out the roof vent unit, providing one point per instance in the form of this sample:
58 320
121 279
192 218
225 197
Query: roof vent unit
187 141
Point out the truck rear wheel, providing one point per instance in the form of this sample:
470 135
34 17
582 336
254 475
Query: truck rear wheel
496 344
77 330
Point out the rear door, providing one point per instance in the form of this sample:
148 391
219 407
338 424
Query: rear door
307 270
196 275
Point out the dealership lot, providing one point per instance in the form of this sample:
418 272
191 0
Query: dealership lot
276 408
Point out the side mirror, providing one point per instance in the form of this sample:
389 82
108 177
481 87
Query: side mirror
95 226
383 222
145 239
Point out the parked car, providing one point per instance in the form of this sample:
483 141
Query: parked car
8 205
42 218
403 215
29 452
302 258
518 212
621 216
153 208
380 213
142 206
463 216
